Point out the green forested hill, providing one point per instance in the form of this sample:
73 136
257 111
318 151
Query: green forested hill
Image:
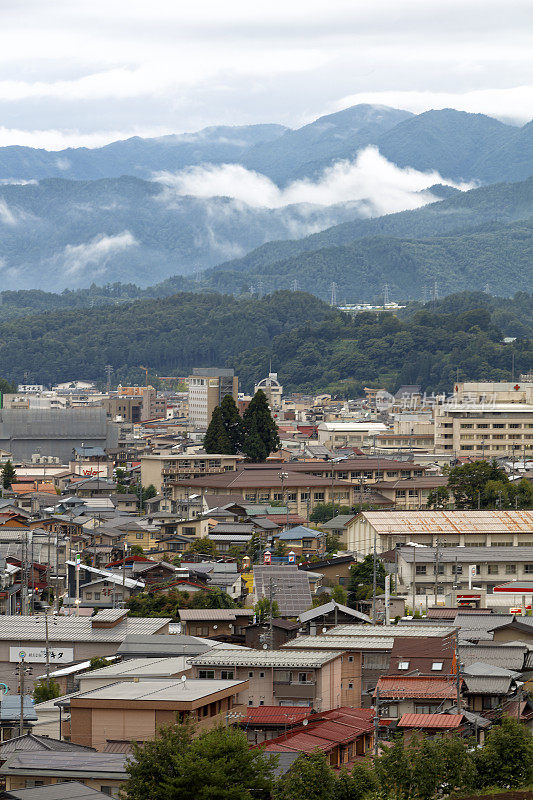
497 255
487 207
313 347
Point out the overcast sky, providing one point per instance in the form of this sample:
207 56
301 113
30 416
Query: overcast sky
85 72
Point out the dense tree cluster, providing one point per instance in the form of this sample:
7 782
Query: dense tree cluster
220 764
315 346
168 602
485 485
255 434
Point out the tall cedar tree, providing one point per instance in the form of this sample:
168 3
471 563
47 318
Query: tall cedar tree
8 475
216 439
232 423
261 434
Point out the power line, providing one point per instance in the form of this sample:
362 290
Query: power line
386 294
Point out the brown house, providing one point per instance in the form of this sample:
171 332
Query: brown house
136 710
215 623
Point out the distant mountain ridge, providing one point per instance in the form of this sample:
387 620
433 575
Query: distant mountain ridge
457 144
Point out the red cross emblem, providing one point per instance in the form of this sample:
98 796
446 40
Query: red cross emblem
516 387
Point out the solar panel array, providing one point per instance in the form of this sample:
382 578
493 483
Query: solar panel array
290 588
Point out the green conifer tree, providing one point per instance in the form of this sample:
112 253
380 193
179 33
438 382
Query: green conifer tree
232 422
260 431
216 439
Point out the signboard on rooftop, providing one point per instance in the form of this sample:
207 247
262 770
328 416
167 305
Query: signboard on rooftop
37 655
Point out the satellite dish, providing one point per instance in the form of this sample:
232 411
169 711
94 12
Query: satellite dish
183 678
324 630
215 627
305 722
265 647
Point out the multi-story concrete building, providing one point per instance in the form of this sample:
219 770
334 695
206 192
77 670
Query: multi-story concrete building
448 528
273 390
136 403
344 434
447 569
486 420
160 469
277 677
207 388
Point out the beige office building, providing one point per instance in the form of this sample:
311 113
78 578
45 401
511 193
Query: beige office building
207 388
160 469
485 430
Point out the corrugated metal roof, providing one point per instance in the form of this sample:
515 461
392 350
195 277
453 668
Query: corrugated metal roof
31 741
504 655
275 715
66 790
230 614
458 522
398 687
76 629
327 608
391 630
430 721
480 684
258 658
160 689
88 764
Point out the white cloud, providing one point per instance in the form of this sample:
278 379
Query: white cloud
55 139
7 217
377 185
76 258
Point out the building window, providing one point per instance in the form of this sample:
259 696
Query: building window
420 569
437 666
226 675
88 595
318 497
403 665
250 674
97 595
510 569
206 674
350 659
492 569
528 569
139 535
350 686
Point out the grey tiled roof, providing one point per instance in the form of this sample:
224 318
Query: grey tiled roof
67 790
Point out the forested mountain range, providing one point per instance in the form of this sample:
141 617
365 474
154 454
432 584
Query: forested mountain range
66 234
115 224
457 144
313 346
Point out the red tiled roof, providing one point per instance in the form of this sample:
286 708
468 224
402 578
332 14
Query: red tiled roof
276 715
340 725
395 687
430 721
302 742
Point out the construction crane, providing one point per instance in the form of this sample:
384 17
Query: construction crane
146 372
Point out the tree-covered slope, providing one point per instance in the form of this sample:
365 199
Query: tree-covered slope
463 211
498 255
313 347
66 234
136 156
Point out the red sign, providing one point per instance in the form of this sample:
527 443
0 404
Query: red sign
267 557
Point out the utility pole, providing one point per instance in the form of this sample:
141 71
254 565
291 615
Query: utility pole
376 723
124 573
374 584
414 580
21 669
458 673
270 614
282 476
437 553
47 651
78 560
